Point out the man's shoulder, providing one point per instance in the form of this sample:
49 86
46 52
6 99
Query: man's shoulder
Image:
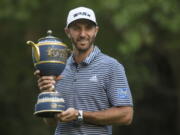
106 59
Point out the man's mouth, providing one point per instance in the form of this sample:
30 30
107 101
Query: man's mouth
83 41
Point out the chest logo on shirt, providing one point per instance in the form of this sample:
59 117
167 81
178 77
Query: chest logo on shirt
123 93
93 78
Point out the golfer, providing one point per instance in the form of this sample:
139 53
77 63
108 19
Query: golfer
93 84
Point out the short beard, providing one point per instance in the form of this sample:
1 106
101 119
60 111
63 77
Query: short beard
85 49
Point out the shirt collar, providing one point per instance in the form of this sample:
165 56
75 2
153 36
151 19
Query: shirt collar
89 58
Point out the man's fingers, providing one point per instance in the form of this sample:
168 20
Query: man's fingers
37 73
45 82
59 77
66 116
65 113
47 87
46 78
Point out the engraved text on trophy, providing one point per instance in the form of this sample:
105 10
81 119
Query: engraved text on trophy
58 54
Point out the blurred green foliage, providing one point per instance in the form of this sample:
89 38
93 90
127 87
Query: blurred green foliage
142 35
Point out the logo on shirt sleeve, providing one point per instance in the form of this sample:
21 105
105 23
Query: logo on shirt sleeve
123 93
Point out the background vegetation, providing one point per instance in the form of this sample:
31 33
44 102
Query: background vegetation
142 35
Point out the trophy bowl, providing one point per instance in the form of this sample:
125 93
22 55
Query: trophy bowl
49 56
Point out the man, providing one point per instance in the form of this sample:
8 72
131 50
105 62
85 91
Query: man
93 85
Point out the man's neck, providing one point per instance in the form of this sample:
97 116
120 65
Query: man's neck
80 56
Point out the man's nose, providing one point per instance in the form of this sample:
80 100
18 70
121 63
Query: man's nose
82 33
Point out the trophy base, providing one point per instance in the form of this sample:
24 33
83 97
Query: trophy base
48 104
47 113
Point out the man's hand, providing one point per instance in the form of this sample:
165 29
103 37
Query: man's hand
46 83
69 115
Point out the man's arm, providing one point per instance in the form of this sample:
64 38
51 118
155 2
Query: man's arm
114 115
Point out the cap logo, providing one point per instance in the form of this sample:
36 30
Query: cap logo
81 13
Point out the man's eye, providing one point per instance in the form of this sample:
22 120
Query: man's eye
89 27
75 28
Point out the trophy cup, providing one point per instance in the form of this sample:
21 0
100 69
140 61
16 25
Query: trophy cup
49 56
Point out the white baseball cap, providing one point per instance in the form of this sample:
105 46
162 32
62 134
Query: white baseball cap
81 13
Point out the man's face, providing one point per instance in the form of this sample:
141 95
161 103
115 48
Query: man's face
82 34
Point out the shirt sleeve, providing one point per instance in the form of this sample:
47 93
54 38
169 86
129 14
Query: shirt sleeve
118 90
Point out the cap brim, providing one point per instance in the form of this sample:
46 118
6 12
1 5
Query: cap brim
95 23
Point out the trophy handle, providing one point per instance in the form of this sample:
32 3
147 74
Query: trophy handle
36 50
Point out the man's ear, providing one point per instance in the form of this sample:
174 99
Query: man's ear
67 32
97 29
